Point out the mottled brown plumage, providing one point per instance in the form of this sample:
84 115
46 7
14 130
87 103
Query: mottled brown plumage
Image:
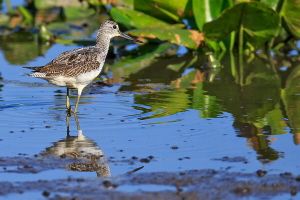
77 68
71 63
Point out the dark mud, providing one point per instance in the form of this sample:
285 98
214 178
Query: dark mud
193 184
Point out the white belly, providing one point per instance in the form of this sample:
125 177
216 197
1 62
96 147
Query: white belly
79 81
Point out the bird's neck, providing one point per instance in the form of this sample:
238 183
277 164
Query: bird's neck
102 41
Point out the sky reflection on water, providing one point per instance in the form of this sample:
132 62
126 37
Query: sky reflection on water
196 124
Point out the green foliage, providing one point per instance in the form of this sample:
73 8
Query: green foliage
290 14
245 17
209 25
188 38
220 19
166 10
78 12
27 16
206 11
274 4
226 24
136 19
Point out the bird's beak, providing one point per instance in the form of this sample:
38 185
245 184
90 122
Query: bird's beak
123 35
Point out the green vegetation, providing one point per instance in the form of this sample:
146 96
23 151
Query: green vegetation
217 24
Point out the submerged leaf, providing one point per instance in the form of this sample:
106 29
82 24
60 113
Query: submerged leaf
188 38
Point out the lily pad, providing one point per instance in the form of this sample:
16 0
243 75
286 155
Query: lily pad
188 38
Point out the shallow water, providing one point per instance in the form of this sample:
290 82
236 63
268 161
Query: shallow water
179 124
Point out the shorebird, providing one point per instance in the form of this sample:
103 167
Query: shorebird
78 67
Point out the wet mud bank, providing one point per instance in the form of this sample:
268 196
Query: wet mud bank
192 184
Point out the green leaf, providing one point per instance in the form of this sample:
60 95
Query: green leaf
126 3
271 3
120 17
207 10
78 12
248 18
95 2
166 10
25 13
42 4
136 19
290 13
188 38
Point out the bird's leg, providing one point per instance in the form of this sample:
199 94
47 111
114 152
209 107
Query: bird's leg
78 126
68 101
78 98
77 121
68 124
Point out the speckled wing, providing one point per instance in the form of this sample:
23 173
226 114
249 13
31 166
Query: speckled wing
70 63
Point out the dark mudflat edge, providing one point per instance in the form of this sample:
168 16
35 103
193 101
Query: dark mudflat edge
192 184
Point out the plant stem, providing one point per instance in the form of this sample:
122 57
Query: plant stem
10 9
232 40
241 42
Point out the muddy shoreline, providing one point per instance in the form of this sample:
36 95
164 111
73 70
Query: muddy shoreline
192 184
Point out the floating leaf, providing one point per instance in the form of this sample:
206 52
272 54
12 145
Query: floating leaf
188 38
248 18
290 12
136 19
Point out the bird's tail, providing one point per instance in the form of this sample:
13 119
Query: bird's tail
36 69
36 72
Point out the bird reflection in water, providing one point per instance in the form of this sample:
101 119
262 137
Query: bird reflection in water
79 147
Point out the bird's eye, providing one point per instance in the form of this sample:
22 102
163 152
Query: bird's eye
114 26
